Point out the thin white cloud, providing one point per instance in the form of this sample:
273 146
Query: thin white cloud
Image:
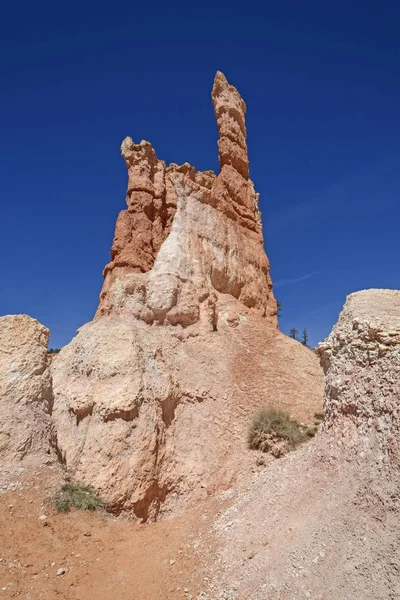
293 280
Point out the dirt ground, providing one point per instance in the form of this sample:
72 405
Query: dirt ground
104 557
320 523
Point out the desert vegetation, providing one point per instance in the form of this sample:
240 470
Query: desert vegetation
276 432
73 495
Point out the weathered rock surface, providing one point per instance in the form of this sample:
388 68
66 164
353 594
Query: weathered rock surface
361 358
152 420
323 522
188 237
25 389
153 398
229 110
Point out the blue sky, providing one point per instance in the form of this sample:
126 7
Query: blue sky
322 87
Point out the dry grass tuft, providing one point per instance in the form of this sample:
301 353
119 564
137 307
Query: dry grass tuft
73 495
276 432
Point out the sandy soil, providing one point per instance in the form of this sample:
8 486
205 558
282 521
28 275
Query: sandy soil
104 556
316 524
320 523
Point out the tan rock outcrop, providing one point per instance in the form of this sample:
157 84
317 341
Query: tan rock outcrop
361 359
153 398
25 389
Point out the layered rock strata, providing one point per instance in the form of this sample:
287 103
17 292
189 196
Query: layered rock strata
153 398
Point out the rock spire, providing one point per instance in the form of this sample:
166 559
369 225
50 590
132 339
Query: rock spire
187 235
152 399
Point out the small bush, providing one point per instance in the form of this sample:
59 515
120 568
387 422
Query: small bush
73 495
274 431
319 416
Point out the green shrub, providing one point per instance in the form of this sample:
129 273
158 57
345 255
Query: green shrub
73 495
276 432
319 416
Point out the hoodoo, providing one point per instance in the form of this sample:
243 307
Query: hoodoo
153 397
186 236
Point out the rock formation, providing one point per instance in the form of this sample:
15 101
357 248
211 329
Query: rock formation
325 518
188 237
361 358
25 389
153 398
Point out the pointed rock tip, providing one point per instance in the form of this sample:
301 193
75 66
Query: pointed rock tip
222 89
220 83
219 76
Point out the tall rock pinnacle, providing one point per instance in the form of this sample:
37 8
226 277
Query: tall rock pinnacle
230 109
152 398
188 236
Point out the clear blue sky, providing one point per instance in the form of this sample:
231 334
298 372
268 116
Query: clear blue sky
322 86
